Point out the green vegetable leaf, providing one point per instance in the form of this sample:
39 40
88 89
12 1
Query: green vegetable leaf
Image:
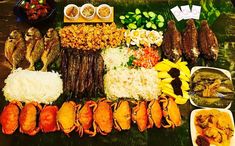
132 26
153 26
146 14
122 17
131 13
131 59
160 18
149 24
160 25
152 14
137 11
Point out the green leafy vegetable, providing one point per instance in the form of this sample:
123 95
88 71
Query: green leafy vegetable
130 61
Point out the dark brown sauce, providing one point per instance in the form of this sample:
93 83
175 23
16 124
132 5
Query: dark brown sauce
176 84
174 72
202 141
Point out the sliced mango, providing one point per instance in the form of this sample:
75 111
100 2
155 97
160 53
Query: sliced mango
162 67
184 86
163 75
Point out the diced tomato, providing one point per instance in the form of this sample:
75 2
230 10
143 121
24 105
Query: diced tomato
146 57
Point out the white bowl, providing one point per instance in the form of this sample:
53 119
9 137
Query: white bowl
226 72
193 130
87 17
101 6
69 17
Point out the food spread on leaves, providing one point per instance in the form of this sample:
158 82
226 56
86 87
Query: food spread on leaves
124 66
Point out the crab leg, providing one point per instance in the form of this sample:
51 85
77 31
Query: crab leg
151 122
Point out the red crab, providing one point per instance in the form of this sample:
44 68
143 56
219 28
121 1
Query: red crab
10 117
47 119
28 118
140 115
85 118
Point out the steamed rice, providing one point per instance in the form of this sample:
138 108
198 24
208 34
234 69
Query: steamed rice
115 57
27 86
132 83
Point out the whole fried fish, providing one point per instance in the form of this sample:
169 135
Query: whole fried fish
172 43
189 41
52 48
35 46
208 42
15 48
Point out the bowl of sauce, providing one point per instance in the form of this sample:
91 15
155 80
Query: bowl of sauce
87 11
104 11
71 11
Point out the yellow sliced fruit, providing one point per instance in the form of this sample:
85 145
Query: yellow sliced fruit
184 86
167 87
185 95
167 80
169 93
180 100
168 62
162 67
183 77
163 75
183 68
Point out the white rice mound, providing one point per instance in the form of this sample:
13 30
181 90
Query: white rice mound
132 83
27 86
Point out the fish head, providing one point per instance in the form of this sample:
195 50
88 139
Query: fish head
32 33
51 34
15 35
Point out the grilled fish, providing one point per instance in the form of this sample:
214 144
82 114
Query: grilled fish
189 41
35 46
15 48
208 42
172 43
52 48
